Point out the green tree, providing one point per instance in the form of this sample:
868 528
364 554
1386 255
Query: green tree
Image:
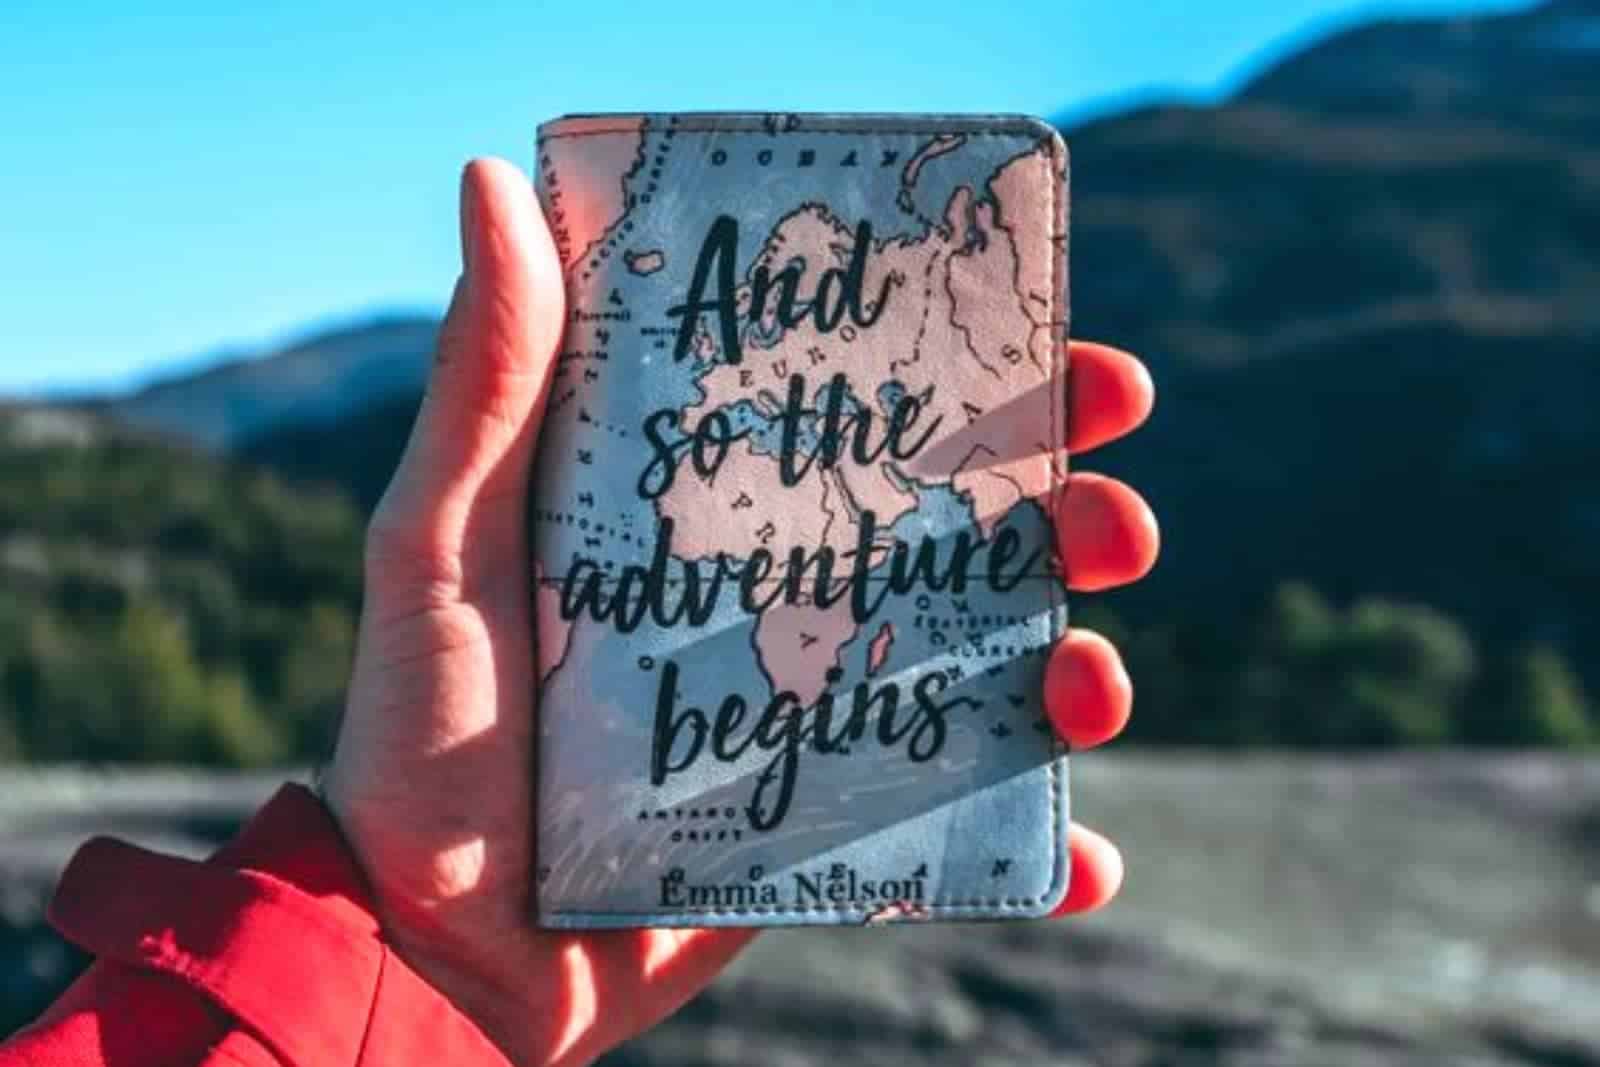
1378 673
161 604
1531 697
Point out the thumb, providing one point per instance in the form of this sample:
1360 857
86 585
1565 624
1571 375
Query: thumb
465 466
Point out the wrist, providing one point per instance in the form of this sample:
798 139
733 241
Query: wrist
420 937
299 839
505 1021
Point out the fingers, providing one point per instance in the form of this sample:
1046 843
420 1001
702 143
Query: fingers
1106 535
1096 872
1109 393
479 420
1087 694
1088 697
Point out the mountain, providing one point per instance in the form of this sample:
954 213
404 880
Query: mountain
1365 285
163 603
321 378
356 453
1523 69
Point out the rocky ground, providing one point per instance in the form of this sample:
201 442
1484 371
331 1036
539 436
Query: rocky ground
1278 910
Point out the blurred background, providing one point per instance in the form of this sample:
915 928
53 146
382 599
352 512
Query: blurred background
1357 243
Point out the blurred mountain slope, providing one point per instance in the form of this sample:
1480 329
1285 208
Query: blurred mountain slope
1369 289
163 604
323 377
1527 69
1368 286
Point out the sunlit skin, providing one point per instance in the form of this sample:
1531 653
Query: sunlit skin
431 779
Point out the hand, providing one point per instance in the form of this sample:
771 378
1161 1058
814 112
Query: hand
432 777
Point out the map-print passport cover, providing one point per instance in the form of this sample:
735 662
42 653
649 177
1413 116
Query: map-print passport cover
794 572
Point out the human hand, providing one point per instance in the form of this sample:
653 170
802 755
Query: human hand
432 779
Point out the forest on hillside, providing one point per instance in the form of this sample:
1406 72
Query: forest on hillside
165 605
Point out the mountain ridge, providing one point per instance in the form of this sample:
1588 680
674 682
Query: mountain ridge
1305 97
319 376
1364 285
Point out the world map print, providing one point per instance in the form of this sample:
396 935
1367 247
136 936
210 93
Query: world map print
794 575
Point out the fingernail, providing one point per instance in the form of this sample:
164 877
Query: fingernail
469 220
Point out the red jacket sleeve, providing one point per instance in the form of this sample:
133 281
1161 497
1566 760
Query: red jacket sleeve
266 954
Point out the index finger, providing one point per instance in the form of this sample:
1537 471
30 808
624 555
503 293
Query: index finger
1109 393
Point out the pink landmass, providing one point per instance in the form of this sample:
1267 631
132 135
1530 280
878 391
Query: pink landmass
944 143
997 486
1011 459
966 327
873 489
645 263
553 634
587 195
878 649
998 334
745 507
799 643
1030 237
942 301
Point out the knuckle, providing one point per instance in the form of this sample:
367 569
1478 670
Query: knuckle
401 557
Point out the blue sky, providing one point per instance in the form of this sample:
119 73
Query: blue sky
187 180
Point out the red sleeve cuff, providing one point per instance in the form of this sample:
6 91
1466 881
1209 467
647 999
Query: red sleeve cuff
278 930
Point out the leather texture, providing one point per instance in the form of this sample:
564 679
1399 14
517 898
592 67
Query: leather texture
795 579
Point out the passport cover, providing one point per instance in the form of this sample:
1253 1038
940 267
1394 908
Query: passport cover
794 573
